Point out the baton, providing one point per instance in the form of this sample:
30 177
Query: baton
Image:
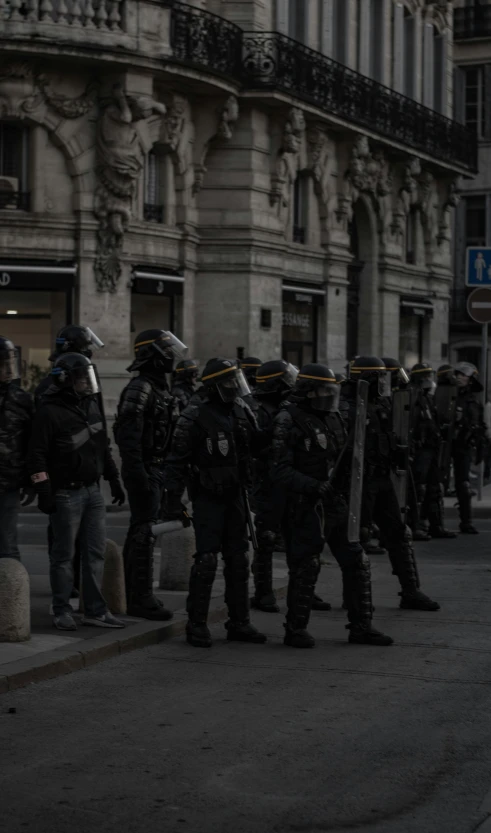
250 522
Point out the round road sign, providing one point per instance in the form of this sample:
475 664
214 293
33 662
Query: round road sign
479 305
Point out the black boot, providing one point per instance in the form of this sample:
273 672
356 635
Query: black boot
262 569
138 558
413 599
236 574
405 567
441 532
420 534
198 635
301 586
357 596
468 529
320 604
198 602
149 607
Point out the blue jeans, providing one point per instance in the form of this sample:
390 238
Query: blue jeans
9 514
79 512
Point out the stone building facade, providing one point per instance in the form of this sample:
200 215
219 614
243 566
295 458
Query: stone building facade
472 57
277 176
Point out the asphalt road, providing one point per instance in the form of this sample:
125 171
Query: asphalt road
246 739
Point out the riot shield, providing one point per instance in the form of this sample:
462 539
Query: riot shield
401 426
357 460
446 407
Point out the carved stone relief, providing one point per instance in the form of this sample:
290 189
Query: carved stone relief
223 125
286 162
369 172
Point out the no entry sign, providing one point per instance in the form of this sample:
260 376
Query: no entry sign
479 305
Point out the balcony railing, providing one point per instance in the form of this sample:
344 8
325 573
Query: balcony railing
153 213
205 40
12 200
274 61
472 22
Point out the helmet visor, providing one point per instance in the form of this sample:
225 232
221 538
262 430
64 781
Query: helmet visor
9 365
95 341
384 386
466 369
403 376
325 397
290 375
169 344
427 380
84 381
233 386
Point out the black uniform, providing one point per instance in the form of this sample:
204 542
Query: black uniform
211 451
306 445
380 504
426 438
468 445
16 413
184 379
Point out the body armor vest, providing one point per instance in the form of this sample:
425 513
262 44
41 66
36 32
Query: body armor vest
218 464
159 424
380 440
426 431
318 448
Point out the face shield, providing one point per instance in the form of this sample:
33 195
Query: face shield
84 381
427 381
325 397
233 386
9 365
384 386
95 341
403 377
290 376
169 341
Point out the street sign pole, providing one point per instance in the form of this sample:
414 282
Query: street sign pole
484 370
479 309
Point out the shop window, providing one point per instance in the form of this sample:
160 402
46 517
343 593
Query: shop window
153 207
300 208
475 221
14 166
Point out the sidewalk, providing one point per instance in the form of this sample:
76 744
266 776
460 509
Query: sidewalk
480 509
50 653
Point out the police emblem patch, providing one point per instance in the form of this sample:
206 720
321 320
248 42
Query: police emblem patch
222 444
308 443
322 440
209 445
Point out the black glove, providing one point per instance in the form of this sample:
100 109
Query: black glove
117 493
325 490
27 496
175 510
46 500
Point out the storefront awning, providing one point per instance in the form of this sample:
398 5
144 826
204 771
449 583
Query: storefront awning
37 275
145 281
302 293
421 307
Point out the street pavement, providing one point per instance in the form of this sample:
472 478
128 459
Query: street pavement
253 739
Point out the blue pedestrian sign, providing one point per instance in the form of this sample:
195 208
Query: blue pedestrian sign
478 266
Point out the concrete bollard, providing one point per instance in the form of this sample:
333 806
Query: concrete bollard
15 603
113 585
177 549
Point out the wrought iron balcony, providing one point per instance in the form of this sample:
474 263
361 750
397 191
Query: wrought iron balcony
153 213
13 200
274 61
472 22
205 40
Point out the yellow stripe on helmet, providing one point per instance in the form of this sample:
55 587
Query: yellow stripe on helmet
219 373
424 370
271 376
359 369
181 369
317 378
151 341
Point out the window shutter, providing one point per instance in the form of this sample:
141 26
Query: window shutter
459 95
486 102
282 16
398 46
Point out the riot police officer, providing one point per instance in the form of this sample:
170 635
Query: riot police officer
380 503
185 377
71 339
250 365
399 379
211 450
143 429
426 440
274 381
309 439
445 375
468 442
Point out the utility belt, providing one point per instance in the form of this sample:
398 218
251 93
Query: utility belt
75 485
377 470
154 461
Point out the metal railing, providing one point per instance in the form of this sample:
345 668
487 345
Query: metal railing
472 22
14 200
203 39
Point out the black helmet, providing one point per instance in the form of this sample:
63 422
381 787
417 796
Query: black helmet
340 378
186 371
76 371
75 339
158 349
225 378
398 376
371 369
276 376
466 370
316 386
250 365
9 361
423 376
445 375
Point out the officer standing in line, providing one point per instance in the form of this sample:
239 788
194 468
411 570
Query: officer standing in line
249 366
211 449
426 440
185 376
68 454
380 504
309 439
468 442
16 413
142 430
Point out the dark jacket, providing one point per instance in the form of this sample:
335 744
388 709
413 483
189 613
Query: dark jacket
143 429
425 429
69 441
16 413
183 393
211 448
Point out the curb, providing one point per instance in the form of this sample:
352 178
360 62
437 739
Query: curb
483 512
61 661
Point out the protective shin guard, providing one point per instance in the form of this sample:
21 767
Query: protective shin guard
201 580
236 574
301 586
262 570
357 590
